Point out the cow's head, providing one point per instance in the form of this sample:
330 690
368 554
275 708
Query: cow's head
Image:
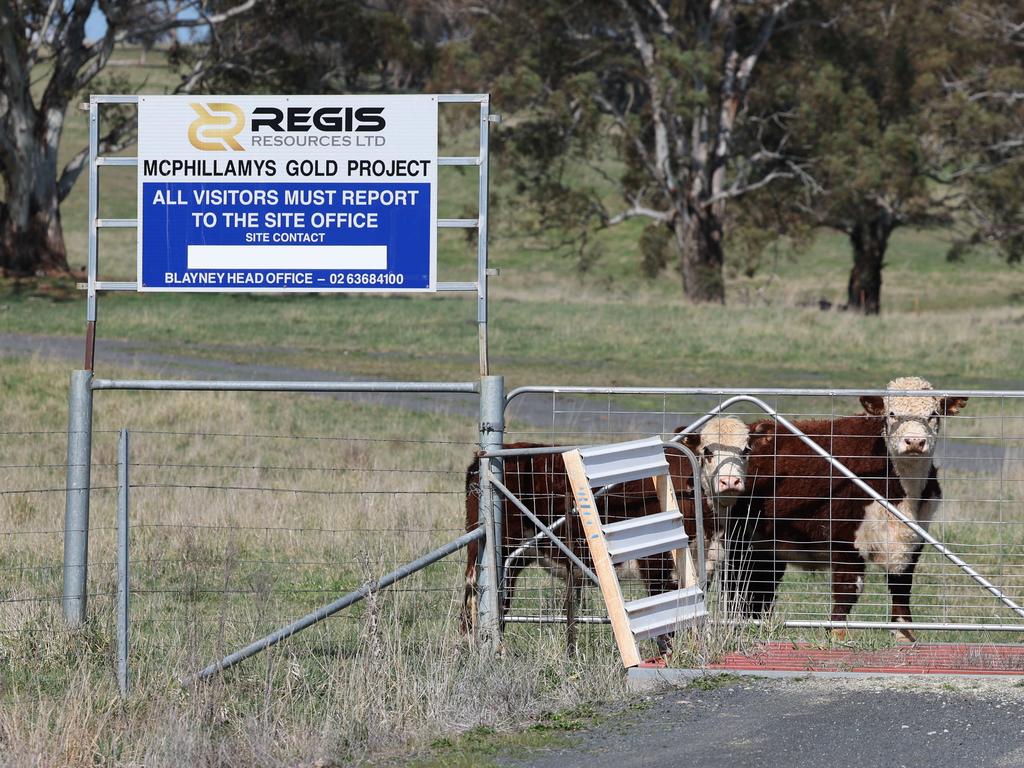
912 422
722 445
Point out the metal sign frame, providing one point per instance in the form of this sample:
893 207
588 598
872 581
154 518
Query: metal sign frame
83 384
94 286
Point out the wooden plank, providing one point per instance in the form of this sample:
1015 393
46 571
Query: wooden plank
610 590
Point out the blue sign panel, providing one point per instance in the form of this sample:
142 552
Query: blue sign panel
287 193
245 236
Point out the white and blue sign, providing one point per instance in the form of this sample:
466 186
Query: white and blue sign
299 193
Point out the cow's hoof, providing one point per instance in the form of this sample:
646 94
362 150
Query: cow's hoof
905 637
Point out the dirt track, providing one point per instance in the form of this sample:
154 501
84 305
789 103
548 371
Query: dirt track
524 412
876 723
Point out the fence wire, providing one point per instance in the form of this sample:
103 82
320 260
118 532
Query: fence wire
32 488
235 535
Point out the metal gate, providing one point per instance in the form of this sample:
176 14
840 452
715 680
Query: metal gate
971 575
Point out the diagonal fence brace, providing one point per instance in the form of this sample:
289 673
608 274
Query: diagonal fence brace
342 602
543 528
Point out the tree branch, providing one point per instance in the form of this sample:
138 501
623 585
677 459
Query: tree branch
737 189
645 48
638 143
120 136
638 211
176 23
40 36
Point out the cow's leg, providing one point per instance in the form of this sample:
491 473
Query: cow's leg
573 592
573 587
847 583
511 574
750 570
467 620
900 585
763 577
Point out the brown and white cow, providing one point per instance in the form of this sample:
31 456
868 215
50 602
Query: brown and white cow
802 512
540 482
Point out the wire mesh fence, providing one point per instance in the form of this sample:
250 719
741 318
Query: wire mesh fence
233 536
32 494
236 534
792 551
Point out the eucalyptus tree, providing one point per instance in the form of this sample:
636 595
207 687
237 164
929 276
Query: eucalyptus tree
48 63
908 114
654 99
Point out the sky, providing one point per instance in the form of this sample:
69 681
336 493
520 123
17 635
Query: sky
96 24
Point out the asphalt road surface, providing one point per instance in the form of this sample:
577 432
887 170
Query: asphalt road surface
805 723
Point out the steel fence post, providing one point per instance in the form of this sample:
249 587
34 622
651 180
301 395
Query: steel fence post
76 509
122 562
492 431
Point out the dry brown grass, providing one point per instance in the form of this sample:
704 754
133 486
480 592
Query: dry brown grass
305 520
212 569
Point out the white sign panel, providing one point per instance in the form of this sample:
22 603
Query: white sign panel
296 193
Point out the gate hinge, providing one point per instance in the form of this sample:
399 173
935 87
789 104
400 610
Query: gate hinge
487 427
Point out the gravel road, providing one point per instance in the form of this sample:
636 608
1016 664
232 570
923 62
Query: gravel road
868 723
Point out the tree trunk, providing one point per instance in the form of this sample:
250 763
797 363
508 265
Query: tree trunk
699 239
31 238
869 239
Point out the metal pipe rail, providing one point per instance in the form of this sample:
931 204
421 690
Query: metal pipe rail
123 587
559 522
202 385
544 529
746 395
781 392
936 626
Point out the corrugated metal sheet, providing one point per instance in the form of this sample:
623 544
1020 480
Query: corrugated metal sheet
663 613
643 536
622 462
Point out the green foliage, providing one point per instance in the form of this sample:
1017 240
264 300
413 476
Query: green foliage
902 116
655 242
306 46
628 110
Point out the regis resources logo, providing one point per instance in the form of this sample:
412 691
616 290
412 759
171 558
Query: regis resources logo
216 127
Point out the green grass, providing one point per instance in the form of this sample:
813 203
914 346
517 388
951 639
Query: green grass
482 746
713 682
566 341
350 491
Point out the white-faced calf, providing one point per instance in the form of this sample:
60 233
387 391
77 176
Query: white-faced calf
802 512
